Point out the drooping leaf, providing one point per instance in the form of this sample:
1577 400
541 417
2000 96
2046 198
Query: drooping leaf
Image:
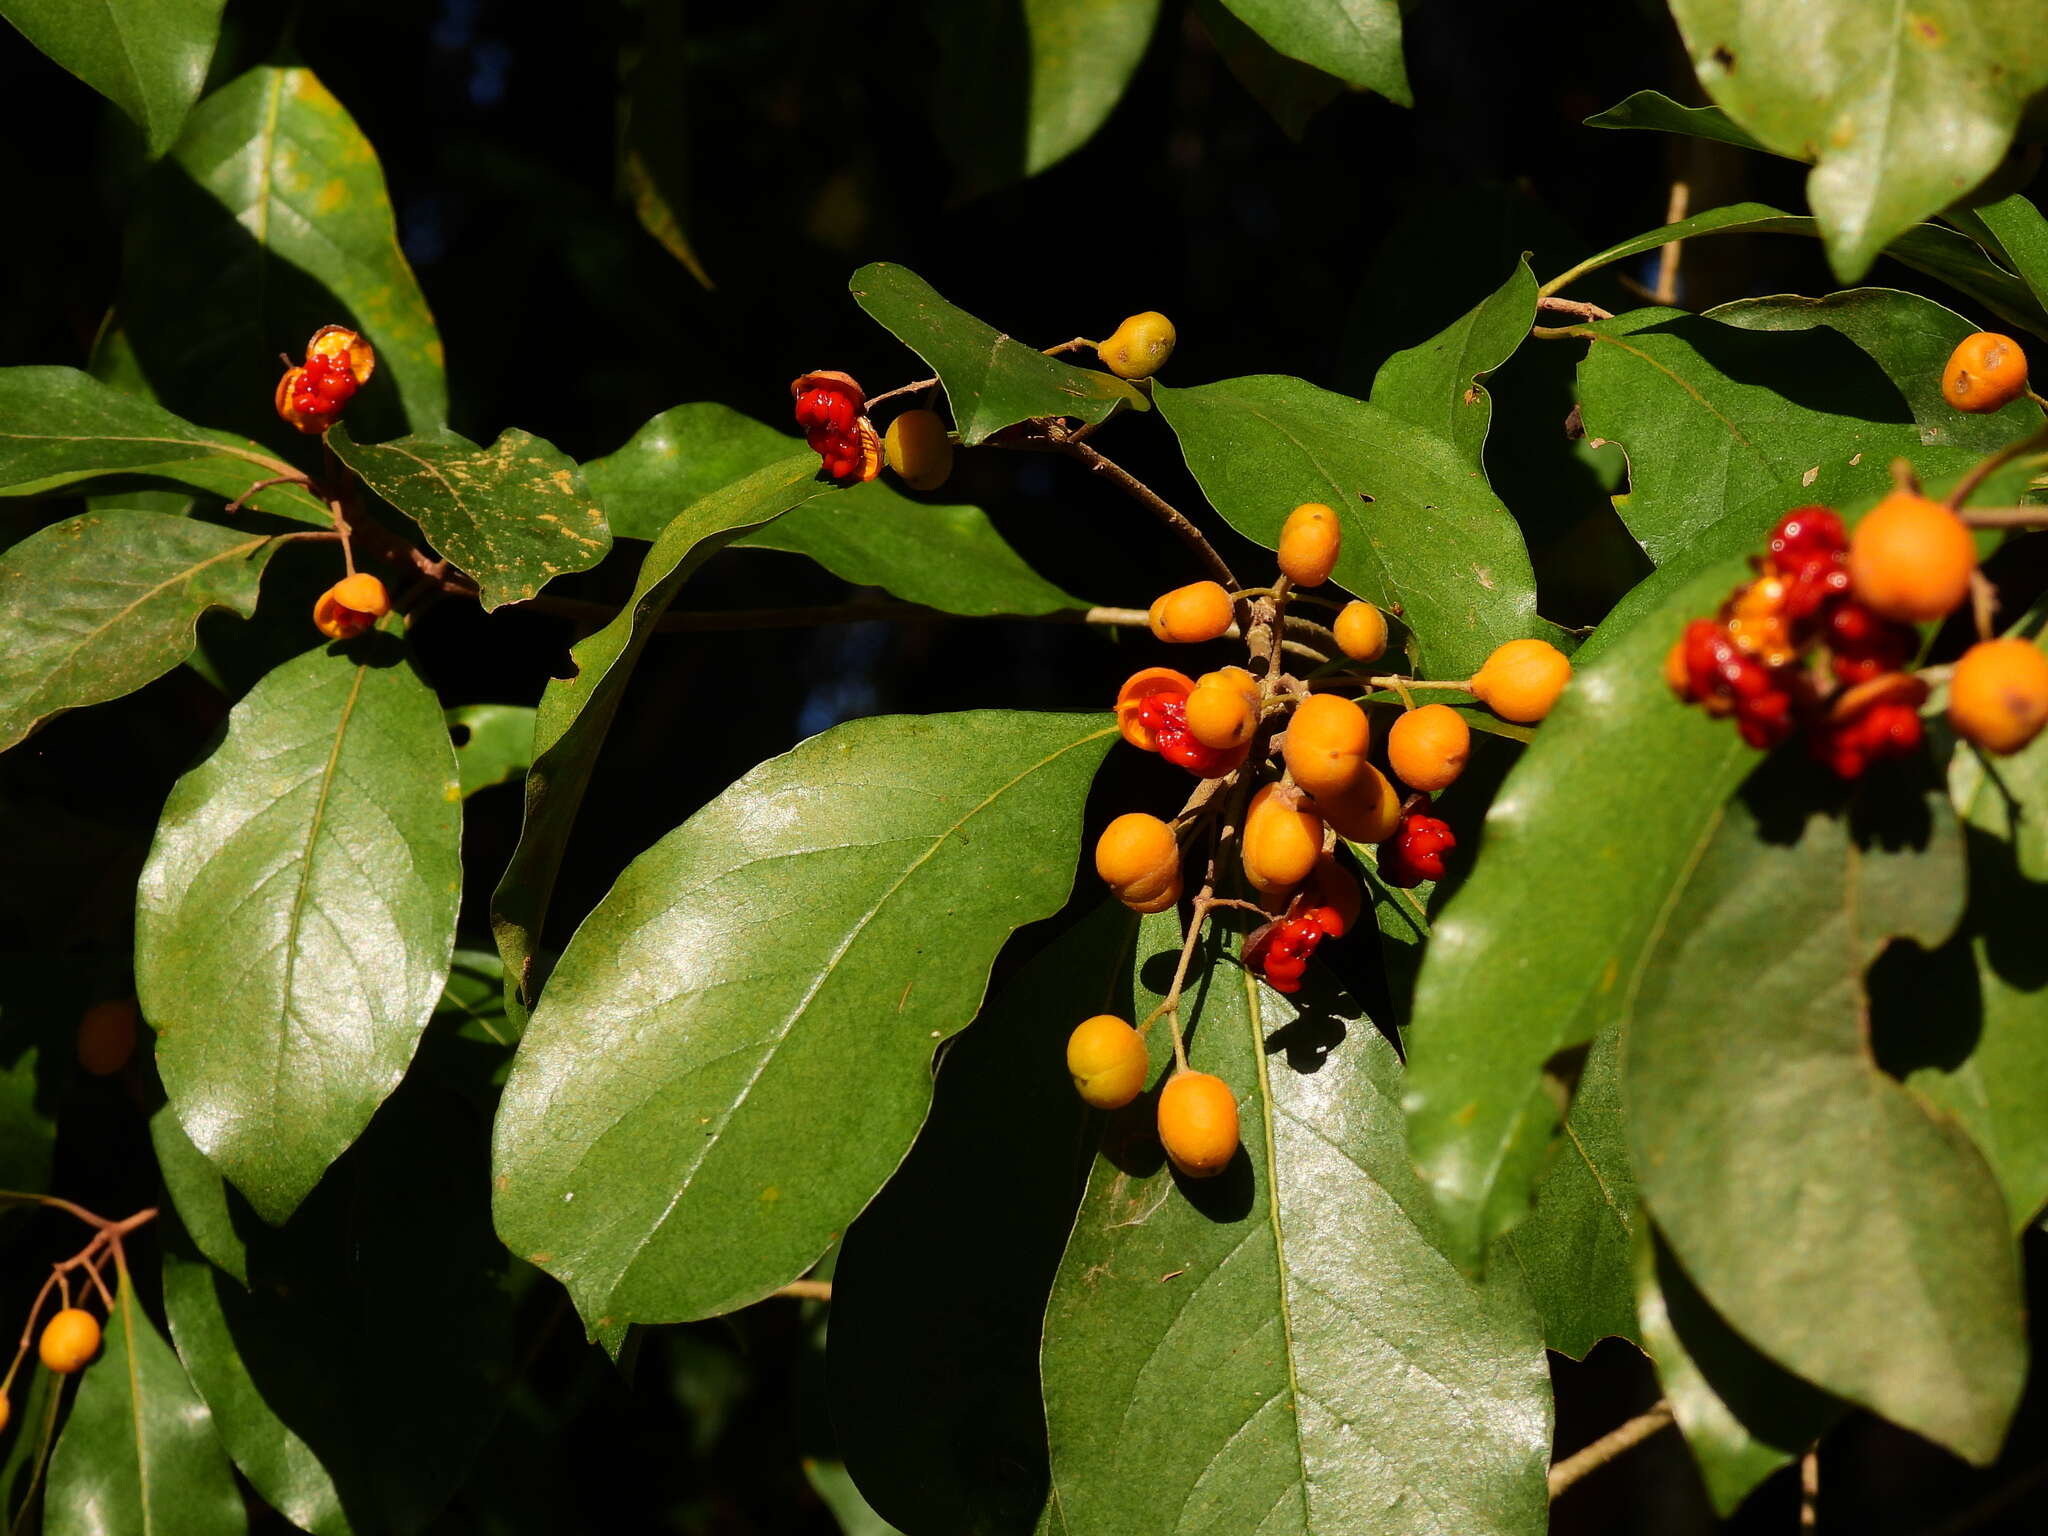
991 380
295 919
148 57
96 606
1819 1204
494 744
1901 111
59 427
1742 1416
139 1452
1655 111
1291 91
2022 236
757 970
1439 385
1358 41
269 220
654 131
514 515
951 1436
574 714
211 1215
1420 527
946 557
1284 1347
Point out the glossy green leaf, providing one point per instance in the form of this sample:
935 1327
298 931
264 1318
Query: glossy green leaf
514 515
1742 1416
148 57
1574 1250
1657 112
951 1436
296 915
1291 91
493 744
1284 1348
1439 385
946 557
747 975
269 220
574 714
991 380
96 606
1421 527
1817 1202
60 427
139 1452
654 131
211 1216
1902 111
2022 236
1358 41
28 1455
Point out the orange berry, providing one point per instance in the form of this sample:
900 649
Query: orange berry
1998 695
1361 631
70 1340
106 1036
1283 835
1309 542
1333 897
1221 716
1139 687
1910 559
1521 680
1368 812
1107 1060
918 450
1325 744
1428 747
1139 347
1986 372
1198 1123
350 606
1139 860
1191 614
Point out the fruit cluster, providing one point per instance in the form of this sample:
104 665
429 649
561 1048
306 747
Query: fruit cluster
313 394
831 408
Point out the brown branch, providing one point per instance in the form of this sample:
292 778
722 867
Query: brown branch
1984 469
1610 1445
2005 517
805 1290
1110 470
1666 291
1574 307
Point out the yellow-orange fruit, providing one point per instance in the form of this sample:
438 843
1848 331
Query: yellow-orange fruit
1221 716
918 450
70 1340
1361 631
1986 372
1198 1123
1910 559
1998 694
106 1036
1281 840
1368 812
1309 542
1325 744
1139 861
1139 687
1107 1060
1333 896
1521 680
1234 678
1139 347
350 606
1427 747
341 343
1191 614
6 1412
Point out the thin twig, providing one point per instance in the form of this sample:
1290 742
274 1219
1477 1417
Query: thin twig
1983 603
1985 468
1574 307
1666 291
1110 470
901 389
1610 1445
1809 1489
2005 517
805 1290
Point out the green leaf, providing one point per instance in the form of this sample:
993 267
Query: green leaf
1574 1250
1358 41
1742 1416
753 972
574 714
991 380
21 1472
1219 1353
1291 91
1421 528
148 57
834 1485
1817 1202
1902 111
951 1436
2022 236
206 1206
94 607
296 915
1656 111
945 557
494 745
654 131
139 1452
1438 385
269 220
59 427
514 515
